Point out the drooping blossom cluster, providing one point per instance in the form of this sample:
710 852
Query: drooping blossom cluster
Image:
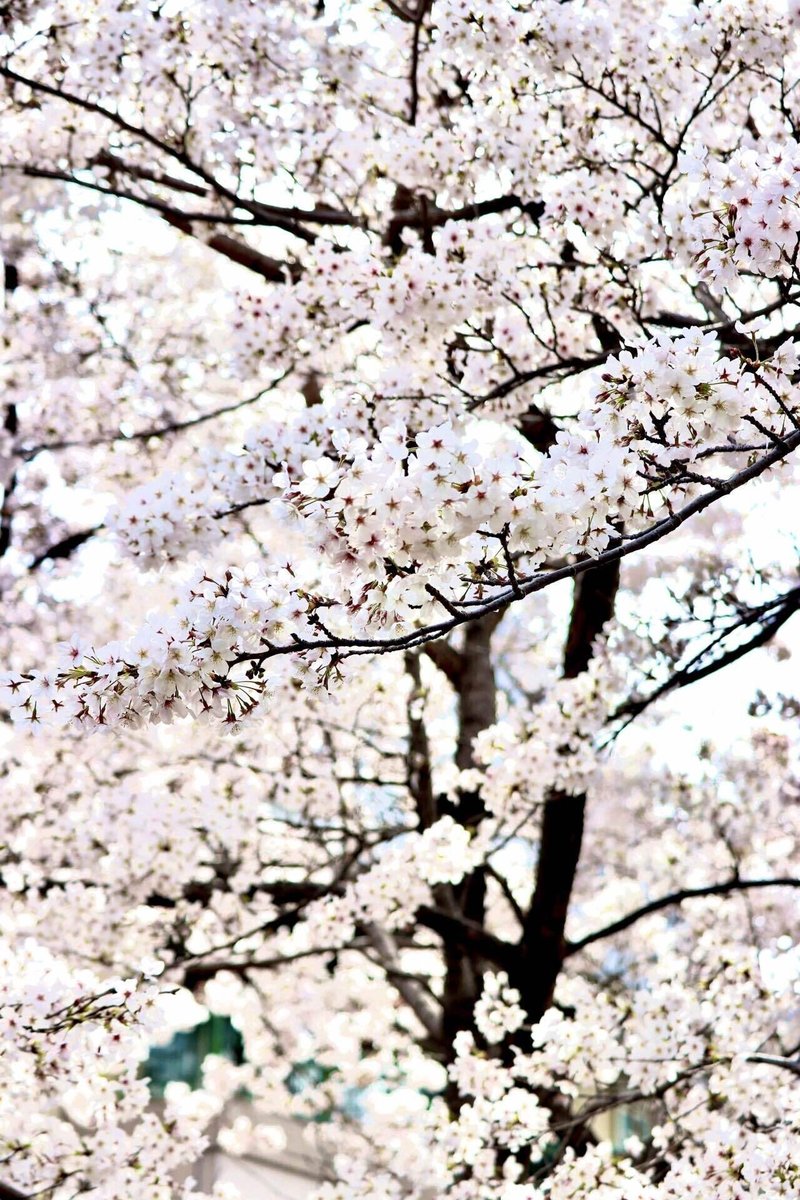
422 497
391 524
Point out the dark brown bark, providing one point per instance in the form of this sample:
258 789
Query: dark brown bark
543 948
592 607
66 547
11 1193
271 269
477 709
446 658
477 702
418 758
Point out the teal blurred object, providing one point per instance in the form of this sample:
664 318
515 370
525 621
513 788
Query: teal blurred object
182 1058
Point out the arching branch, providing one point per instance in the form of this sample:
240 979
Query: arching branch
728 887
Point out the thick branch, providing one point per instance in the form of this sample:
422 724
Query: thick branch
119 122
270 213
775 1060
474 938
203 217
271 269
288 892
543 947
7 514
430 217
199 973
562 366
447 659
468 945
408 988
319 215
7 1192
418 759
66 547
477 705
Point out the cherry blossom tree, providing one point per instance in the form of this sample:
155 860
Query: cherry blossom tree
399 410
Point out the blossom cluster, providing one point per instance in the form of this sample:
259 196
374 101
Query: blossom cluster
498 1012
746 212
423 306
573 1051
73 1112
164 518
391 890
391 521
555 749
176 665
428 497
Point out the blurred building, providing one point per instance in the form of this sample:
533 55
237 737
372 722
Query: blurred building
289 1164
